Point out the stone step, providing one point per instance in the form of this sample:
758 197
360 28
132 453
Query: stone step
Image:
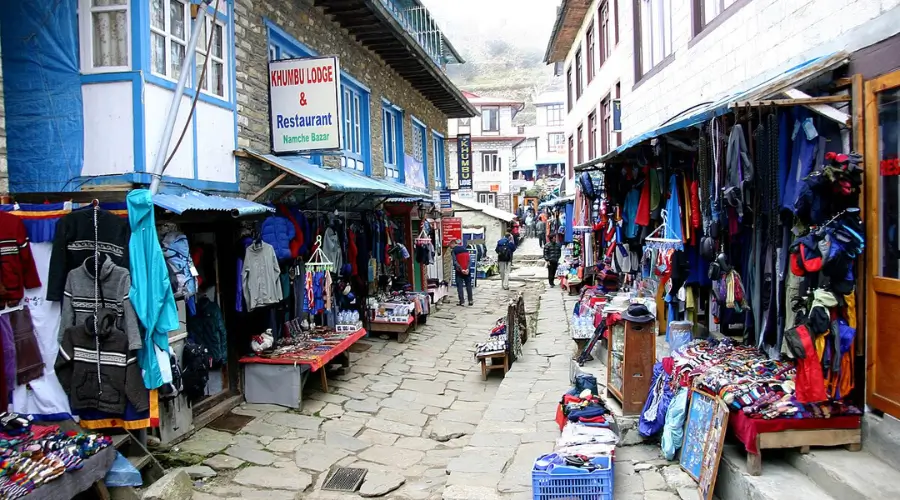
846 474
779 480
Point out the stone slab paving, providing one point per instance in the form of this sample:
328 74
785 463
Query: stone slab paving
406 412
518 425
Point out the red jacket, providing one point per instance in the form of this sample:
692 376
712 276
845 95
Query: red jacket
17 269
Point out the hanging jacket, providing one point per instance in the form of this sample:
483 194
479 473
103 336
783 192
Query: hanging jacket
642 218
261 277
17 269
299 236
242 250
114 287
738 167
151 292
207 328
278 232
803 159
74 242
97 370
331 247
352 253
810 383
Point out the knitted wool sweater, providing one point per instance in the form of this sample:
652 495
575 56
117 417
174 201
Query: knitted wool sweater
79 299
99 371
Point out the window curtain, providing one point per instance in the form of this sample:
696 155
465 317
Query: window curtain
110 34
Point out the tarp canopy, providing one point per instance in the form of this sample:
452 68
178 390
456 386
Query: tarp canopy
334 179
194 201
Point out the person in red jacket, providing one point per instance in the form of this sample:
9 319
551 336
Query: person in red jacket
461 263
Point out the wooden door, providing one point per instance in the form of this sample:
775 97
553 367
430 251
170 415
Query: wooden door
882 121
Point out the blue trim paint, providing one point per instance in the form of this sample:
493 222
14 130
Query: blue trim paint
419 124
440 160
128 76
280 37
189 91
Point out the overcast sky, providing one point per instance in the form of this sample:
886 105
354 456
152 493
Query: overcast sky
470 23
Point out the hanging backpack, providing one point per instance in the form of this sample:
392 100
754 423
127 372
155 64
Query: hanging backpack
177 251
195 364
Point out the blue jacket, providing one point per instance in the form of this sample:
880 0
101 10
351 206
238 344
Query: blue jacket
278 232
151 292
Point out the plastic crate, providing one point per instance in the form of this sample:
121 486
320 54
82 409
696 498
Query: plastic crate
597 485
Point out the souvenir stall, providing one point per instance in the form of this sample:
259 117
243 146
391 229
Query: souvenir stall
504 344
307 278
41 459
746 226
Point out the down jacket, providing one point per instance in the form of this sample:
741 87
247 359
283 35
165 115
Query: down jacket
278 232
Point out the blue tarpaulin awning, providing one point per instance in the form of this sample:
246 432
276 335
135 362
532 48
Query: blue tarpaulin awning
194 201
335 179
760 88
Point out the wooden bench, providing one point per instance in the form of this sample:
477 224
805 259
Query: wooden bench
516 324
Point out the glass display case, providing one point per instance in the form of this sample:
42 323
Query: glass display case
632 352
616 356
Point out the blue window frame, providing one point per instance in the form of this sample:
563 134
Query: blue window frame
355 115
392 127
440 165
420 146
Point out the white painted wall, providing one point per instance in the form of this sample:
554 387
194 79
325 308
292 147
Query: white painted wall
108 128
156 106
762 38
493 228
619 67
215 143
482 181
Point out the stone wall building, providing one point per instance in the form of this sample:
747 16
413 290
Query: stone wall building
275 29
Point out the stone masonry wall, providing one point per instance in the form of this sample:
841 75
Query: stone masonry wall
315 30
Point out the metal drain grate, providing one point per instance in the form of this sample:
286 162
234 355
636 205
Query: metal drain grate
345 479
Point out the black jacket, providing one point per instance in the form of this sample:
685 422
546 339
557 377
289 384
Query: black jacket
119 380
74 243
552 252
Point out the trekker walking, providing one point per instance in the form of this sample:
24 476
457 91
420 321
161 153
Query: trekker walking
461 261
552 252
505 249
540 230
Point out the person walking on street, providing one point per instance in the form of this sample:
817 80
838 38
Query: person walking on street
505 249
515 230
540 231
529 225
552 252
461 261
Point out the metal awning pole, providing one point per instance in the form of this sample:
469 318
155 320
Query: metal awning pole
186 66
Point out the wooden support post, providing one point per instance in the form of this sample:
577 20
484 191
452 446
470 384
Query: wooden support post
280 177
324 379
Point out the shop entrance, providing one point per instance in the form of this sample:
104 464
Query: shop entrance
882 105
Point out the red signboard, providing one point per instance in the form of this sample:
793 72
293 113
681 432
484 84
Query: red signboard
452 229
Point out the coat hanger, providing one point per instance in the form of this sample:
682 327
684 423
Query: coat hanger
662 243
318 261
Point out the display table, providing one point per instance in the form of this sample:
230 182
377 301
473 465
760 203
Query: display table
280 379
400 329
758 434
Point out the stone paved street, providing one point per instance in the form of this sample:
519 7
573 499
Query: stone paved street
404 411
421 420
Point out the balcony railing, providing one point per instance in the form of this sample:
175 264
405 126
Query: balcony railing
417 21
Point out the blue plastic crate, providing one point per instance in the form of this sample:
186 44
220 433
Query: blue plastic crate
596 485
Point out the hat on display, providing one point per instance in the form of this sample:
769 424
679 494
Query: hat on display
638 313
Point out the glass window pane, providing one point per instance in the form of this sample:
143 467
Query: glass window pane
357 125
176 19
158 53
218 78
177 54
157 14
107 3
217 41
889 180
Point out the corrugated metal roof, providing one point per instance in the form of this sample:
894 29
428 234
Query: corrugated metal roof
760 88
335 179
192 200
487 209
